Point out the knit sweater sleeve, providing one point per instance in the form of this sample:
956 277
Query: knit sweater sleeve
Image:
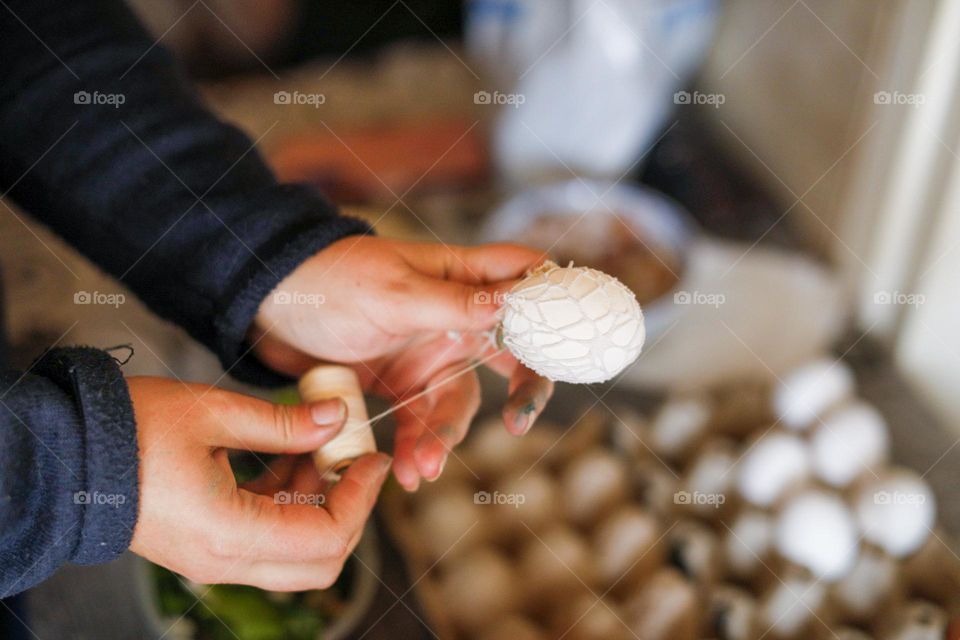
102 139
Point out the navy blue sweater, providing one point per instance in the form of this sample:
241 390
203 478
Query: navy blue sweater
104 141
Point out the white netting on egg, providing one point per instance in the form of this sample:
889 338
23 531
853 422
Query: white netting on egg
573 324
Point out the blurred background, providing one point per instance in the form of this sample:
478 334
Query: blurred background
777 181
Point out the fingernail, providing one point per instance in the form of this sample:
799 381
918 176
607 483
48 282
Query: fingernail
385 462
328 412
526 415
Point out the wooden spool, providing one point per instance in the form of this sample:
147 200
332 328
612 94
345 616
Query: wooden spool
356 437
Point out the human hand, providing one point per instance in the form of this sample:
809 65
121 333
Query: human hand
195 520
387 308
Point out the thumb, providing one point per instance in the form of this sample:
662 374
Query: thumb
257 425
444 305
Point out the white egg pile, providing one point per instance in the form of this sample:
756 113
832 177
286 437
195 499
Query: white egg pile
739 513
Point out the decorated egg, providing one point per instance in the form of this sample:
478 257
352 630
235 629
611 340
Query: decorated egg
572 324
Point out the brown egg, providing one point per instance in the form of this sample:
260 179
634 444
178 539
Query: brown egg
449 523
513 628
555 561
592 484
628 547
480 587
666 607
525 501
589 617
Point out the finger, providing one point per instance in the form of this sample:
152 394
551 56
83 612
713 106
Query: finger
528 393
473 265
444 305
350 500
287 576
454 407
410 425
242 422
270 528
527 400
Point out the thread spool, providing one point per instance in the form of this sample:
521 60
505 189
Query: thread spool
356 437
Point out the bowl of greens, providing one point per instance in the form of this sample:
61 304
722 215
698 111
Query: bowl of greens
179 609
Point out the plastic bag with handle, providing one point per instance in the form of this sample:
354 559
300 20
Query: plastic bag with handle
583 85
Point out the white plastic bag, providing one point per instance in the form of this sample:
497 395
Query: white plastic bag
583 85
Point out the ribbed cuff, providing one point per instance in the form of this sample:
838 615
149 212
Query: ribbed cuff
111 474
290 250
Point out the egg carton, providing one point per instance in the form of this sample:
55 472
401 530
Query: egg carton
642 521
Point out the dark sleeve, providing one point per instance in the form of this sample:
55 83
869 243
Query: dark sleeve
102 139
68 466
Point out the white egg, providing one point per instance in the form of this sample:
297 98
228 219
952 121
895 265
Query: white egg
627 546
678 425
773 464
896 512
592 484
573 324
851 441
817 531
479 588
555 561
810 391
748 542
449 522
